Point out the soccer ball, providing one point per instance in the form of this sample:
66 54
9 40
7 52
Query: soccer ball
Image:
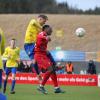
80 32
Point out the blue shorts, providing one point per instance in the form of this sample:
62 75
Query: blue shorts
0 78
10 70
29 48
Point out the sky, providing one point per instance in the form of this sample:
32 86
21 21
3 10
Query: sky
82 4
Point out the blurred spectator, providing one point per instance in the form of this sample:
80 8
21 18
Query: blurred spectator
20 66
91 67
26 67
69 68
23 67
59 68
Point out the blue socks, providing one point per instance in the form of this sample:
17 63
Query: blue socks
13 85
5 84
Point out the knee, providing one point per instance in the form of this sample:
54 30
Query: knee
13 77
6 77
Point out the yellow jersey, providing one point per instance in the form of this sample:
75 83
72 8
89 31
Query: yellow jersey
12 56
32 31
2 45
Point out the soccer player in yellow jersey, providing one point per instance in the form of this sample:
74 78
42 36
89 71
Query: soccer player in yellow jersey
34 27
2 45
12 54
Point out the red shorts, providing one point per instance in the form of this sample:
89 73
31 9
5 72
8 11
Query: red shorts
42 60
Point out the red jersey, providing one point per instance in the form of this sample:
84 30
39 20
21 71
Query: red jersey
40 56
41 43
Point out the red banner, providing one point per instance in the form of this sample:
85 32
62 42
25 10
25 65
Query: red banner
63 79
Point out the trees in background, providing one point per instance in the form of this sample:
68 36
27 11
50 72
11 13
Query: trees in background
41 6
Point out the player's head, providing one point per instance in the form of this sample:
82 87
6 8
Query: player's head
13 43
42 19
47 29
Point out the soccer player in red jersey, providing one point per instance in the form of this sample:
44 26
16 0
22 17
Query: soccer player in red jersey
43 61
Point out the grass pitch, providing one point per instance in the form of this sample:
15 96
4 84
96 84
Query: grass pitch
29 92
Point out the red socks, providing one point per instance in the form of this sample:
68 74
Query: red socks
46 77
53 77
